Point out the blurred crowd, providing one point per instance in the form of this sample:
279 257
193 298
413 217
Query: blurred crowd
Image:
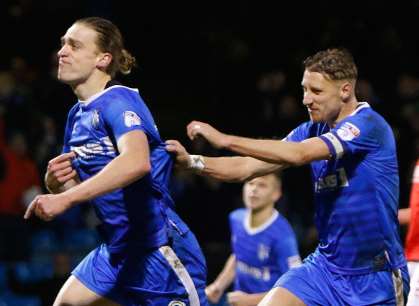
234 93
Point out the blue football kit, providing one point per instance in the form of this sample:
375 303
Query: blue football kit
149 256
263 253
359 259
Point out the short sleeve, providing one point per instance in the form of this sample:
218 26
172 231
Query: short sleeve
123 115
286 249
354 135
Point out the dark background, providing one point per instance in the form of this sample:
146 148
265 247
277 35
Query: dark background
236 65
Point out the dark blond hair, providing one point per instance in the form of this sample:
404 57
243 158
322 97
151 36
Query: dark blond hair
109 39
336 64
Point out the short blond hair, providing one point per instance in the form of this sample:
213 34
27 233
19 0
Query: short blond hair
336 64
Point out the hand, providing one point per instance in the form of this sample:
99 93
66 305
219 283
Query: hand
47 206
238 298
59 171
213 293
213 136
182 156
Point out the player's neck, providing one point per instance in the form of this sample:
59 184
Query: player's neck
347 109
259 217
91 86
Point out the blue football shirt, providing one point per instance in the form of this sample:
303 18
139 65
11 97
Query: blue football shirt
134 216
356 193
262 254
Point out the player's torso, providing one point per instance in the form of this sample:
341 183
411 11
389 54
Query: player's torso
356 199
256 259
133 213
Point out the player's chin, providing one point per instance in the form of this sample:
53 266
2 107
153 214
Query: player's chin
66 77
61 76
315 119
254 206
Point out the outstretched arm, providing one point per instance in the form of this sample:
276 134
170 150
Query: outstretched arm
271 151
228 169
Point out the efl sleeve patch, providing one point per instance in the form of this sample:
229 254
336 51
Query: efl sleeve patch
131 119
348 131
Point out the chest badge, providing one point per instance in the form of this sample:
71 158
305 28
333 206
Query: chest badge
95 119
263 251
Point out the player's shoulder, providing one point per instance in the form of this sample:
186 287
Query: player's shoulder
120 97
121 91
364 114
281 221
364 120
238 215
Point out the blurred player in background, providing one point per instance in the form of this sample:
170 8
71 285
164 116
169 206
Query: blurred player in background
114 158
411 216
352 153
263 242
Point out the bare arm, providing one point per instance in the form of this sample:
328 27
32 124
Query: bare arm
229 169
271 151
130 165
237 168
282 152
215 290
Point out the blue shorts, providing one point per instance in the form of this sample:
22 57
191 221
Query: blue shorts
315 284
170 275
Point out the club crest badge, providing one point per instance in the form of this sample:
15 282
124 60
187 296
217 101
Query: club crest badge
263 251
95 119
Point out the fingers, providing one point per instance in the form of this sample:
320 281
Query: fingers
61 158
60 169
173 143
174 146
30 209
212 295
69 176
194 129
57 166
34 208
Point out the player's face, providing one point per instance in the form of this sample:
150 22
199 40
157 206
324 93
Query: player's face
261 192
322 97
78 56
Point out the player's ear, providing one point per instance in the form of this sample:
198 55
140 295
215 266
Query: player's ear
346 90
276 195
104 60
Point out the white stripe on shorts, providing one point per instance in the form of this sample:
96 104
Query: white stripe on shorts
182 273
335 143
398 287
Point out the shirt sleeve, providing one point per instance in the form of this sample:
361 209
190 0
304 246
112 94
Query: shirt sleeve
122 115
286 249
354 135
